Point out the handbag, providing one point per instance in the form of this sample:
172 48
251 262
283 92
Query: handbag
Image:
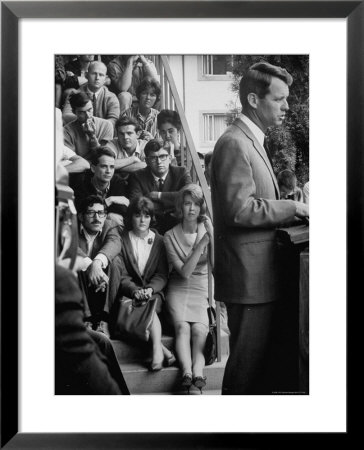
210 350
134 321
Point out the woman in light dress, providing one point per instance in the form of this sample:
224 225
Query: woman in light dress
188 247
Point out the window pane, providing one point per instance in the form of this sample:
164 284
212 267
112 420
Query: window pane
214 125
219 125
216 64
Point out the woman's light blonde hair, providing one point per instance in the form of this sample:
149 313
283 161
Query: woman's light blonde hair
197 196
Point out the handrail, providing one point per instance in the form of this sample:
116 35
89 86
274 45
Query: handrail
170 97
170 100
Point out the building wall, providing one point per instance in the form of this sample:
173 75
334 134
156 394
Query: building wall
200 95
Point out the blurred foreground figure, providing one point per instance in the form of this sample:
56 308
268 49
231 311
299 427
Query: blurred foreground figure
85 361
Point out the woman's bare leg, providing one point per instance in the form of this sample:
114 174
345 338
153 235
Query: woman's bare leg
199 332
183 346
156 338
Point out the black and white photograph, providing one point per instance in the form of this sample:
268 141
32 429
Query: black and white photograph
172 290
182 228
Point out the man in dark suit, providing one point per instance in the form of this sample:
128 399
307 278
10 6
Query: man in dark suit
99 242
101 180
247 209
160 181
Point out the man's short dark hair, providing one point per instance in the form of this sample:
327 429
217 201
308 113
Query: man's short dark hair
101 151
287 178
126 120
167 115
258 79
79 100
148 83
154 145
88 201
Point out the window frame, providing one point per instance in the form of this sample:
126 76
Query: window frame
207 77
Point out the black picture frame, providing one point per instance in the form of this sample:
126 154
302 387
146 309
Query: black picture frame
11 12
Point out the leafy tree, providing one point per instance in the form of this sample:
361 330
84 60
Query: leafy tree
289 143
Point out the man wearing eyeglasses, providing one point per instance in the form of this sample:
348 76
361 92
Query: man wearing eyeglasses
160 181
99 243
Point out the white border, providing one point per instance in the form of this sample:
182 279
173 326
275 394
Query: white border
324 409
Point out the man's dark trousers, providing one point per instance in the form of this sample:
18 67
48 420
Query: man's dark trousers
250 328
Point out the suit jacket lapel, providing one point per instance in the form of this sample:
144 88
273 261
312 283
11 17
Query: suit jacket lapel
246 130
130 252
152 186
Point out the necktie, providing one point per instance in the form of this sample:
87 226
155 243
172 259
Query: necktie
160 184
266 148
94 103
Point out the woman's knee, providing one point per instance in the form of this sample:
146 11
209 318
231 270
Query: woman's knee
182 329
198 330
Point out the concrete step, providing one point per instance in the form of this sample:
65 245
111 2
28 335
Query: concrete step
141 381
127 352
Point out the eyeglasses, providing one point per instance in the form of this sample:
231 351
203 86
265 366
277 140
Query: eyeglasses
92 214
155 158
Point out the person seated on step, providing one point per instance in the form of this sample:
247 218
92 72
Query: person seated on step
128 148
160 181
100 180
148 93
65 156
85 362
86 133
169 126
76 70
105 103
288 188
139 278
126 73
99 242
189 245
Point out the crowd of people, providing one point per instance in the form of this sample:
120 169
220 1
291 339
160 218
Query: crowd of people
144 238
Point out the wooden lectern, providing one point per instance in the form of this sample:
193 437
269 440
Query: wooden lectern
294 242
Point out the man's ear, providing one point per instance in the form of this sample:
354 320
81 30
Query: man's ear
79 217
253 100
86 75
92 167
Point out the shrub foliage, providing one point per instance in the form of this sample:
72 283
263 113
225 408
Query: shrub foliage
289 144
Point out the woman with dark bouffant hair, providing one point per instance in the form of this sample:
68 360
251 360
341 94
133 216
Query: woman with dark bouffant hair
143 270
148 93
187 247
169 126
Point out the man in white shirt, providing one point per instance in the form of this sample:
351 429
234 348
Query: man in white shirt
99 243
247 210
128 148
